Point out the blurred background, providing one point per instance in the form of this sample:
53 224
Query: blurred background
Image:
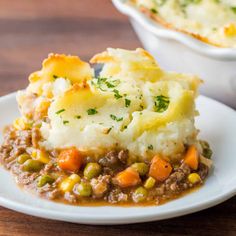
31 29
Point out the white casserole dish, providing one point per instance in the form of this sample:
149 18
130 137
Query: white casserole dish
180 52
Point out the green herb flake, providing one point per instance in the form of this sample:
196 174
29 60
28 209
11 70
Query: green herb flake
117 94
92 111
127 102
103 83
153 10
78 117
55 76
110 85
60 111
65 122
161 103
109 130
113 117
150 147
100 82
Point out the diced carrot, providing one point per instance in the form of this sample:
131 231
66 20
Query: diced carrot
127 178
192 157
70 159
160 169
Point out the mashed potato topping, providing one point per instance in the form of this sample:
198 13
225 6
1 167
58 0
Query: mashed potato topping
213 21
132 104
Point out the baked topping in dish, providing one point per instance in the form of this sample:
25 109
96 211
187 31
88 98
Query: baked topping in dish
212 21
124 134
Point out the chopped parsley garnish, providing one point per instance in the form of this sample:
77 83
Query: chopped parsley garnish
153 10
117 94
110 85
60 111
125 127
103 83
65 122
161 103
92 111
55 76
100 82
113 117
109 130
150 147
78 117
127 102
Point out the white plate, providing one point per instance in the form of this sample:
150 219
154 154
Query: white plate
217 124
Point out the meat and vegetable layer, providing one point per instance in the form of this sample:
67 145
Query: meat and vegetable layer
125 135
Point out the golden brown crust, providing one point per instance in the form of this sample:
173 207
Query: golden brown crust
171 26
103 57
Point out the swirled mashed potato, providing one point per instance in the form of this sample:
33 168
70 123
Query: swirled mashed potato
132 104
212 21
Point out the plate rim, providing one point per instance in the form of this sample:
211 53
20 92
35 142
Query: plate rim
125 219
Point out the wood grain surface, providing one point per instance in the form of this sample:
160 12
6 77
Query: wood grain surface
31 29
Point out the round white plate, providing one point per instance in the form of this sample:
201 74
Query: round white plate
217 123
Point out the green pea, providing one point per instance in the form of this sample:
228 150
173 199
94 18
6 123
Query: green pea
45 179
84 189
92 170
207 152
32 165
23 158
149 183
141 168
140 194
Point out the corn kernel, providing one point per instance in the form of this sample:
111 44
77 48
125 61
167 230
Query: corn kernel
230 30
194 178
21 124
67 184
75 178
41 156
149 183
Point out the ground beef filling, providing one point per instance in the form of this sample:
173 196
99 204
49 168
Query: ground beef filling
47 179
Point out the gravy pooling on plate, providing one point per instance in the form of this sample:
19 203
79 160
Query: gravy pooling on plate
125 136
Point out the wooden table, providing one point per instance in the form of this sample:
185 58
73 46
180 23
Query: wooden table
31 29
